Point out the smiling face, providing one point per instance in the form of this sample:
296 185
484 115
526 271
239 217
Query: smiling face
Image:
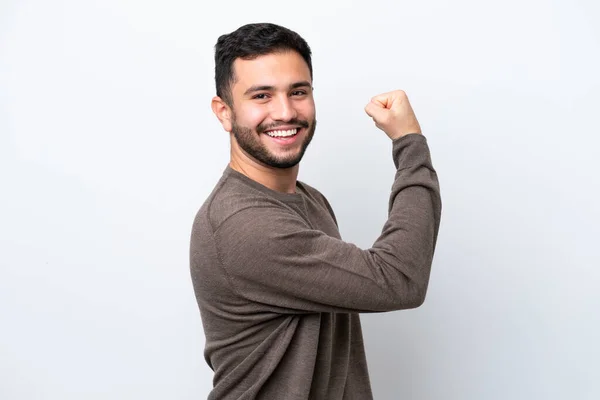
273 113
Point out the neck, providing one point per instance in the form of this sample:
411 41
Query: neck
278 179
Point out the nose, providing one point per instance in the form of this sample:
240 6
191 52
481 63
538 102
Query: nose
283 109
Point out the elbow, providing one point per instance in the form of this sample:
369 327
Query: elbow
406 283
416 283
410 295
420 298
418 295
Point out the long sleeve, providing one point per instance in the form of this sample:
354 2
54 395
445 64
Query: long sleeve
273 257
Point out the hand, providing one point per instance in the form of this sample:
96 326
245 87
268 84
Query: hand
393 114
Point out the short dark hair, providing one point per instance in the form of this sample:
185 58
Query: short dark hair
249 42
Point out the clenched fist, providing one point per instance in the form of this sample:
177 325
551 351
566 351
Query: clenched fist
393 114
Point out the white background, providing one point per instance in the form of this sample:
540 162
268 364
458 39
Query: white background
108 147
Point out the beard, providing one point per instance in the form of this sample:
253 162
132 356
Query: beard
249 141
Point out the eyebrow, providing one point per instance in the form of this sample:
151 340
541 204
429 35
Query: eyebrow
258 88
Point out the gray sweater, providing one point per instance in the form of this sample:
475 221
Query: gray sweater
279 292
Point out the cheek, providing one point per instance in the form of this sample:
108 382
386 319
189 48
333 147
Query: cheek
252 116
307 109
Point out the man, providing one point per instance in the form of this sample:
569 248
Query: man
279 292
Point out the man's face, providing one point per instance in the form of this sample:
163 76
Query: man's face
273 117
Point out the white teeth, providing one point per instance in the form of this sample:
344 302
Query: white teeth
290 132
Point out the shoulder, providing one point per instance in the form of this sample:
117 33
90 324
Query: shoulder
312 192
231 197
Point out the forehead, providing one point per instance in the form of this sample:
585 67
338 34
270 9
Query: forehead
275 69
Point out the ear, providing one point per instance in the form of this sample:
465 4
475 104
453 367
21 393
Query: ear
223 112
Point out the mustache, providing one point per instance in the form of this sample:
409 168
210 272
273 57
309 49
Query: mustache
295 121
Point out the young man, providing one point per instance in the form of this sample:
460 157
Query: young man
279 291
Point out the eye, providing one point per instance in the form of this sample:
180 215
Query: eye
260 96
298 92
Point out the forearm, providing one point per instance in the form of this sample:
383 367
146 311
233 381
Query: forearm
403 253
